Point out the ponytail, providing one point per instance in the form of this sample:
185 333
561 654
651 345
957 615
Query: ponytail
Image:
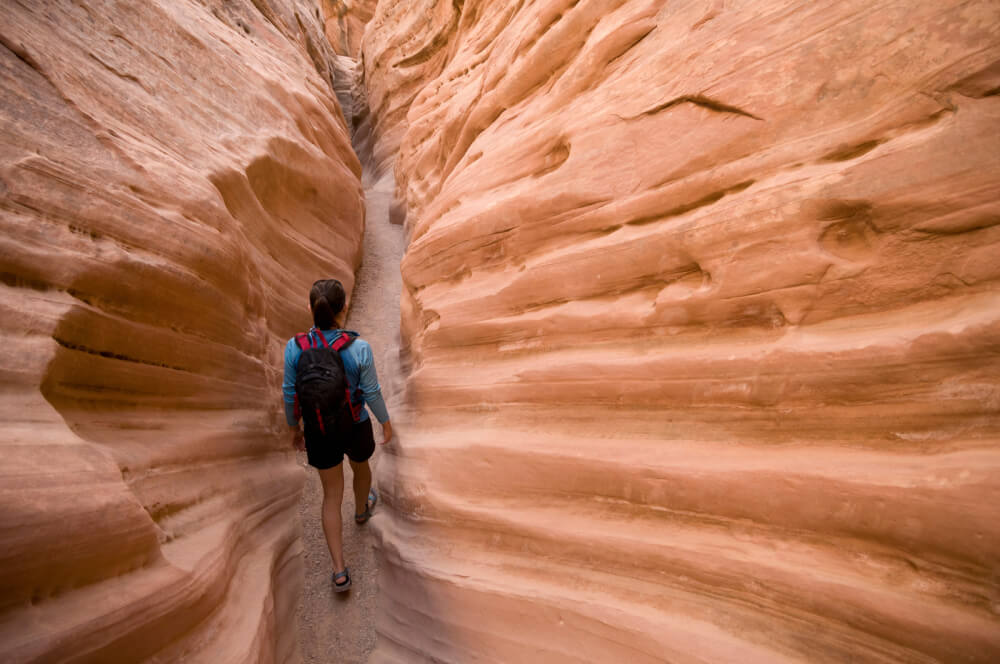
323 316
326 299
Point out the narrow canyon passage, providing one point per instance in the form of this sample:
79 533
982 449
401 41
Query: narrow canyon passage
700 319
340 627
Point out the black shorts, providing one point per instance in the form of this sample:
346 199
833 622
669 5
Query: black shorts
324 452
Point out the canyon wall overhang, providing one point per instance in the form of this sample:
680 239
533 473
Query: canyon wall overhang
173 177
701 302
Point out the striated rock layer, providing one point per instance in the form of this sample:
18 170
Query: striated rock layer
173 177
702 310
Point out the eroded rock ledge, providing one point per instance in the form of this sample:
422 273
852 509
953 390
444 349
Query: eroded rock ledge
173 176
701 304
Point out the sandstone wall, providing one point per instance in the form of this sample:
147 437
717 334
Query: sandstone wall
702 311
173 177
345 24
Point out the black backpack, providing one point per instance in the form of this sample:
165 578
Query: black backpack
321 387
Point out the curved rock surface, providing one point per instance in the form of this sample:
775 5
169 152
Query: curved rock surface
345 22
702 314
167 168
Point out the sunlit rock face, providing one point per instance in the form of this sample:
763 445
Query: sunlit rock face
345 23
173 177
702 310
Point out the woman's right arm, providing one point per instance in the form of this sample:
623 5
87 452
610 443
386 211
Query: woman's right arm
288 396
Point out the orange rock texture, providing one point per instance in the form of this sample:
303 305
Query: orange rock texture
166 169
703 325
345 24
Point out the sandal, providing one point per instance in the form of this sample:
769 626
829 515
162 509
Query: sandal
341 587
367 514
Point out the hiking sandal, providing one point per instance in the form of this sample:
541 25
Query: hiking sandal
341 587
367 514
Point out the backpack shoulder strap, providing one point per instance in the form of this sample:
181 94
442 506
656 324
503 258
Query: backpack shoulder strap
342 341
304 341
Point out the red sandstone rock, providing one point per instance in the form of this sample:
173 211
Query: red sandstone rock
702 309
345 23
173 176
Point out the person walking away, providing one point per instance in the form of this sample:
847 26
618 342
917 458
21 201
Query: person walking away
329 378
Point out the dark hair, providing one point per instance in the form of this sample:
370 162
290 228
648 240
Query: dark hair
326 299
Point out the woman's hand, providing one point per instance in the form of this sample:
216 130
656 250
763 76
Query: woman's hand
298 440
386 432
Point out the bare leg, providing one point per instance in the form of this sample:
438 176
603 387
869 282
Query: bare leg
333 496
362 484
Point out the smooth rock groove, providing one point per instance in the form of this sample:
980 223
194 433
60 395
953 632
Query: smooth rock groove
701 304
166 170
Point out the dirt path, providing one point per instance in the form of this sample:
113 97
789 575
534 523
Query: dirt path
339 628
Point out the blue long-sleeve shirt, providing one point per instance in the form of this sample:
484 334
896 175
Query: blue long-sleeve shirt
359 365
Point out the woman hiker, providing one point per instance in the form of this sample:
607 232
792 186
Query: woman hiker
343 426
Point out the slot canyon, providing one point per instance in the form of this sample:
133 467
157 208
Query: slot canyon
686 313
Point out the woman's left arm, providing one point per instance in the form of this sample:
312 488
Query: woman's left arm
369 382
372 391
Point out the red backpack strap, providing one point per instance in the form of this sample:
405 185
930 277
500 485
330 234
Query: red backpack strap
342 341
356 408
304 341
321 336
